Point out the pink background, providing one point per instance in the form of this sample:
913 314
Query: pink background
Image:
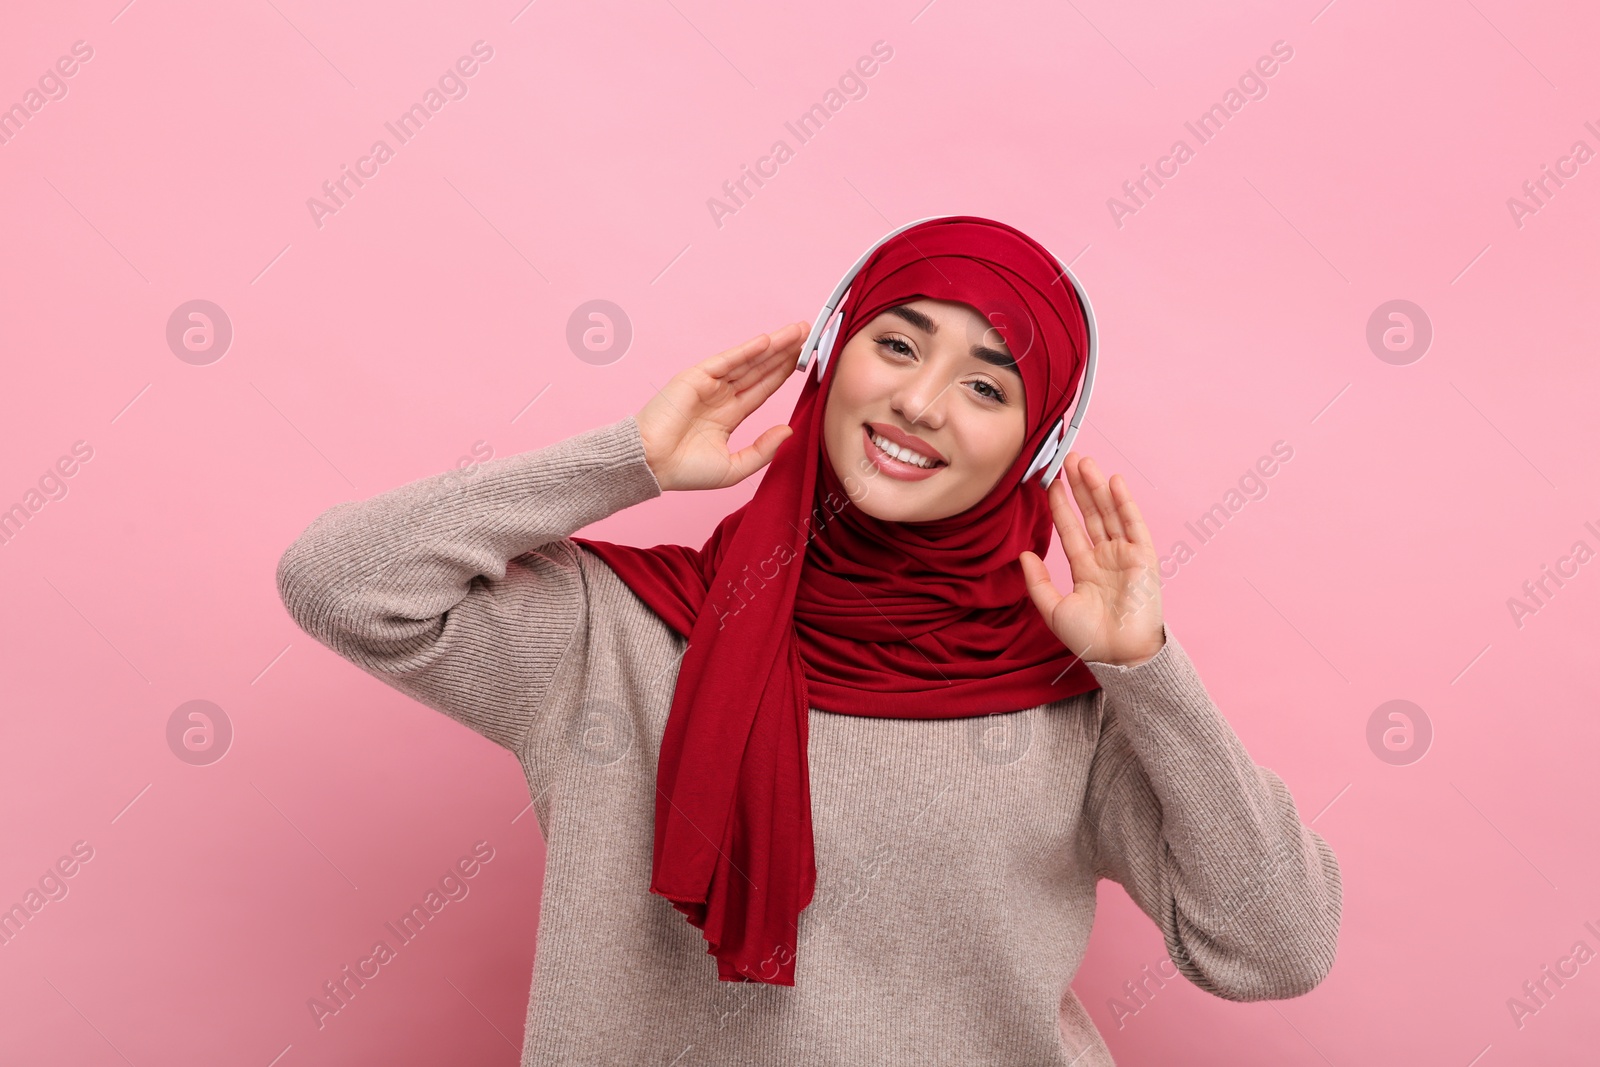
418 322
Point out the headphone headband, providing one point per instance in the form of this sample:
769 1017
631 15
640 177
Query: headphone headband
1053 450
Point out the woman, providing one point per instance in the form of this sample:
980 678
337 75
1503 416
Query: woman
858 740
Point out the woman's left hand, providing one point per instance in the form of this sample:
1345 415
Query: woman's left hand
1113 614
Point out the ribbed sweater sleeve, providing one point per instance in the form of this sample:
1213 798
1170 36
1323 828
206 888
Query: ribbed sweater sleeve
439 588
1208 844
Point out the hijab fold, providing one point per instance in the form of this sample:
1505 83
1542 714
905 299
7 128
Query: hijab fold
800 600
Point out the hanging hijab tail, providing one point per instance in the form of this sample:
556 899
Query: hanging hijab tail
801 600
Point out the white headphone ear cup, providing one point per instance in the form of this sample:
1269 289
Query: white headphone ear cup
1055 465
1052 453
830 334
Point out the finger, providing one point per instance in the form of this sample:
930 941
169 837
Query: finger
765 379
755 392
1100 491
785 336
759 453
1132 518
1074 541
780 351
757 385
1073 468
1041 590
757 365
757 369
720 364
755 388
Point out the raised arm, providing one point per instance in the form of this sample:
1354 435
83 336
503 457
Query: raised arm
1208 844
440 589
453 589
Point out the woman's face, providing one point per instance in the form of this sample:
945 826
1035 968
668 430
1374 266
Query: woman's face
933 378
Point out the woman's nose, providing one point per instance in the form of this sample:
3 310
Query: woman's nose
921 396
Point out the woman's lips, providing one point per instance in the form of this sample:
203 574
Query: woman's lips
894 468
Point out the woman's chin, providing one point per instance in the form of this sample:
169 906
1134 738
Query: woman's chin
901 502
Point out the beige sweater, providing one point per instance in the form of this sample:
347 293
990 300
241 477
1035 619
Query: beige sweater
956 858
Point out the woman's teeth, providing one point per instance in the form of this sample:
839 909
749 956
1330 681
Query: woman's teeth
904 455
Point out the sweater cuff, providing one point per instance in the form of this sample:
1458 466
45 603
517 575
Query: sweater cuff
1119 669
622 442
1167 686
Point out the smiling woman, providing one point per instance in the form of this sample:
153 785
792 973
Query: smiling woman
928 395
743 734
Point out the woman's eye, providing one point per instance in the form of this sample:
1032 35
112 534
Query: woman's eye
895 345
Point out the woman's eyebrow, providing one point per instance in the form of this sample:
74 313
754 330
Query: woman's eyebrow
992 356
915 318
997 358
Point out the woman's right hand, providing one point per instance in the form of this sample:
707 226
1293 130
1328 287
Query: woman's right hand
687 424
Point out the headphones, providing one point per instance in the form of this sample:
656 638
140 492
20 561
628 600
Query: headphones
1053 450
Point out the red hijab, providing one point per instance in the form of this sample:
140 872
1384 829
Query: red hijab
799 600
